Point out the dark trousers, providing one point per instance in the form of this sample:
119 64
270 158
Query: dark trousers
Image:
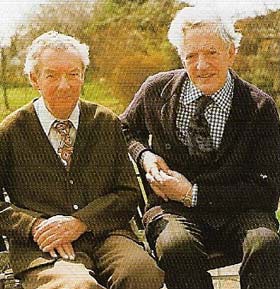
181 244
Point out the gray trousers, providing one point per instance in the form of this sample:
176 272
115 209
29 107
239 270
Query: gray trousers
181 243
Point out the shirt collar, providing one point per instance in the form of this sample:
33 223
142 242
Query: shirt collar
47 119
222 97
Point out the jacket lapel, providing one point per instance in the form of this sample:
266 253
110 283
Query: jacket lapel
242 110
170 95
87 132
39 142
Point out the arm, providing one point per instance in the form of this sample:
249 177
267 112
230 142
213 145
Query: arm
14 221
134 125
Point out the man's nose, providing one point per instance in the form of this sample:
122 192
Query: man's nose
202 63
63 82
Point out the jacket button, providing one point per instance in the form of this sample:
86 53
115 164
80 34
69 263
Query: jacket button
71 182
75 207
264 177
210 203
168 146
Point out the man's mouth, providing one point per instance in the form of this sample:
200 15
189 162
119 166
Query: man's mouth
206 75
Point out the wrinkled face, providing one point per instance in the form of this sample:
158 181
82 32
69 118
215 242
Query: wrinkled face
207 59
59 78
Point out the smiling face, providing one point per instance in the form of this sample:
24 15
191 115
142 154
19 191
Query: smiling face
59 78
207 59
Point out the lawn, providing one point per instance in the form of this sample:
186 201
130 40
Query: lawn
96 92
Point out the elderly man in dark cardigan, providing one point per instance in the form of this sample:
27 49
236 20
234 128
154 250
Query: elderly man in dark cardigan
65 167
208 143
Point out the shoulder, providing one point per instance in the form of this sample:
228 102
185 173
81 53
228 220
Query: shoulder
97 112
257 97
17 118
162 78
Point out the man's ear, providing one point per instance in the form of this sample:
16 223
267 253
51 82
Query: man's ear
83 75
33 77
231 53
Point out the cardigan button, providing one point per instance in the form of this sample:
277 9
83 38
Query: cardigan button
75 207
71 182
168 146
264 177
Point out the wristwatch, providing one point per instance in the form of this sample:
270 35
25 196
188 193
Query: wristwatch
187 199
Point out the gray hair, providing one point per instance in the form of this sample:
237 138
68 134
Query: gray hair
55 40
195 17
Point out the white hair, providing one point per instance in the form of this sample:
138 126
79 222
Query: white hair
198 17
55 40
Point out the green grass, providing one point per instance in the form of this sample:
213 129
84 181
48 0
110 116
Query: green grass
95 91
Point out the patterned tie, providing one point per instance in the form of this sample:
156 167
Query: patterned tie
65 148
199 140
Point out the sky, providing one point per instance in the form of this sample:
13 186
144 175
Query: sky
238 9
14 12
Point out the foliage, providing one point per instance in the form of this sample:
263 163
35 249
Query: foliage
128 42
259 56
95 91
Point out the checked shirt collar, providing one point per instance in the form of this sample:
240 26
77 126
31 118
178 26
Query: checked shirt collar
222 97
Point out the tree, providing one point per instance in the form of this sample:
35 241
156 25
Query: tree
258 60
130 41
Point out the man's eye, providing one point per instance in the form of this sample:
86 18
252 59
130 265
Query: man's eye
74 74
213 52
189 56
49 76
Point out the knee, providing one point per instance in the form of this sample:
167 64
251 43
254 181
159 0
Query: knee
142 274
179 249
84 282
69 280
139 273
262 241
75 282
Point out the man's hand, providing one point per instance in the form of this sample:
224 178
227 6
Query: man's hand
66 251
173 186
57 231
153 164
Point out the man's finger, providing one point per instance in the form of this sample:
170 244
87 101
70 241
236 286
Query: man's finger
51 232
42 228
53 245
60 250
150 178
68 249
44 241
158 191
53 254
165 176
156 174
162 165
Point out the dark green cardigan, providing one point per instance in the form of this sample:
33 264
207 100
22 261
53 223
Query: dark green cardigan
100 188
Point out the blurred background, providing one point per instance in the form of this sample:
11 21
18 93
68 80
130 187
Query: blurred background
128 42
